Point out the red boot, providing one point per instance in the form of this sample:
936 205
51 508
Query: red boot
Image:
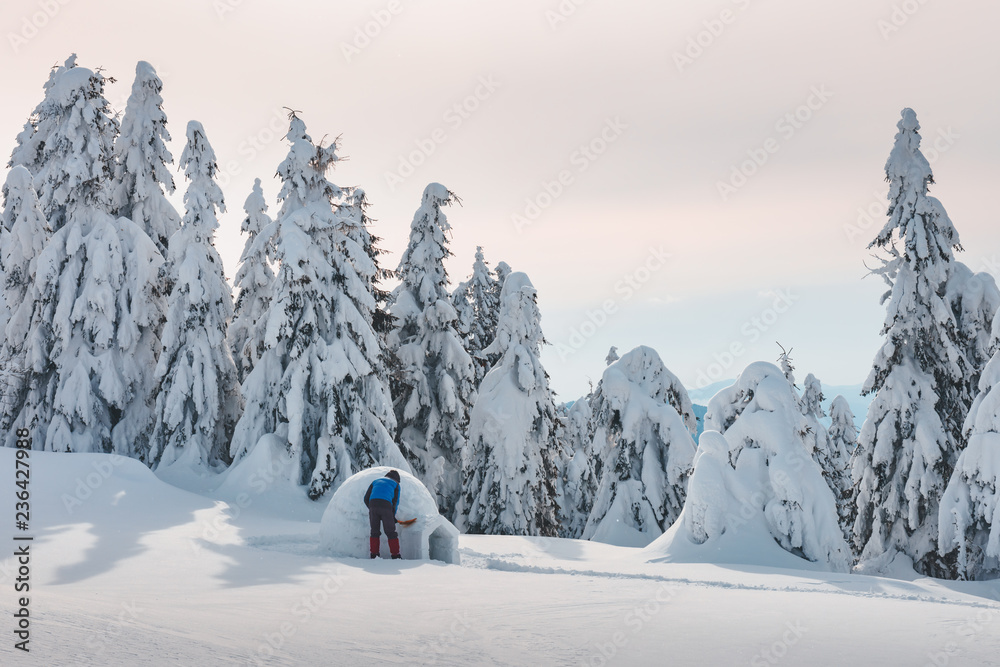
374 545
394 548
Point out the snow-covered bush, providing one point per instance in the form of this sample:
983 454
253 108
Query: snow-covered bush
643 428
757 485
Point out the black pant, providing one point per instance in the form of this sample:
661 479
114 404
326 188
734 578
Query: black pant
380 511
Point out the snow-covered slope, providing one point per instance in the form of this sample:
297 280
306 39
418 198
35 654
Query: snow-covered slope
128 570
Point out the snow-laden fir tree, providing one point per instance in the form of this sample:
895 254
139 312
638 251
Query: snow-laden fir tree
756 484
254 281
142 179
828 452
32 138
843 438
509 466
612 356
580 468
485 294
643 429
23 233
357 225
91 338
969 518
843 431
465 317
913 431
435 381
316 385
974 300
197 399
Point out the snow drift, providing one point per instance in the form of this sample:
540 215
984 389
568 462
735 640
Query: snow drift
345 528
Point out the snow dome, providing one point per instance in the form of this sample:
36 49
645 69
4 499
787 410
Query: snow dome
345 528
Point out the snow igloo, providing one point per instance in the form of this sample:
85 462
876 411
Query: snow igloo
344 530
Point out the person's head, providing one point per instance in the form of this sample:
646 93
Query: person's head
393 475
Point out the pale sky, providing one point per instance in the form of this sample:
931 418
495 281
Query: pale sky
637 245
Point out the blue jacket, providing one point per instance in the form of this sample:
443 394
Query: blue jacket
384 488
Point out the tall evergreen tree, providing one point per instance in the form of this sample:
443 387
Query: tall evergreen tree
254 281
31 140
141 176
23 234
435 385
969 515
580 469
91 336
197 392
643 428
509 467
913 431
316 384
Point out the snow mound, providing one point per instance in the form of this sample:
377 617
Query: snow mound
345 528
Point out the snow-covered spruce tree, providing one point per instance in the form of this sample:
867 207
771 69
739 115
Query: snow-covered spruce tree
843 432
969 515
141 157
91 336
254 281
612 356
23 234
756 484
435 381
197 395
828 453
485 294
912 435
357 225
580 468
509 466
643 429
461 301
31 140
316 384
974 300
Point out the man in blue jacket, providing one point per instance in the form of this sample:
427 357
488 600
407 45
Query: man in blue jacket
382 500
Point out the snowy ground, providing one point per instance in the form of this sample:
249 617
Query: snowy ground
128 570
